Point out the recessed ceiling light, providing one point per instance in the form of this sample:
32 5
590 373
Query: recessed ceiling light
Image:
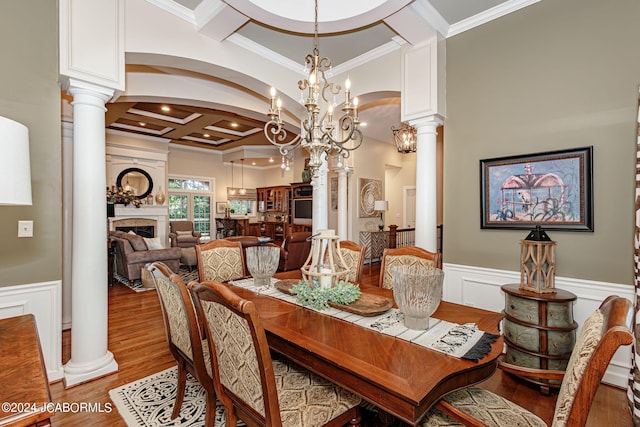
206 135
143 124
363 123
234 125
166 108
270 159
253 163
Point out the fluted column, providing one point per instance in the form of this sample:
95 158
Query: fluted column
90 357
320 220
426 191
343 214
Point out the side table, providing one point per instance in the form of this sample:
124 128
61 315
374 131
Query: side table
539 330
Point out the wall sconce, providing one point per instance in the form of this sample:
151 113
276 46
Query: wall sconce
15 169
537 262
381 206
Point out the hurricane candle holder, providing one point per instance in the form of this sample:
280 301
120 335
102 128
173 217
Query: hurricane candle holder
417 291
262 262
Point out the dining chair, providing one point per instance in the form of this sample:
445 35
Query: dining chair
184 335
406 255
608 328
220 260
252 386
353 256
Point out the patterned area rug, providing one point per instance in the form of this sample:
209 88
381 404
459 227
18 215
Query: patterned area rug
184 272
149 402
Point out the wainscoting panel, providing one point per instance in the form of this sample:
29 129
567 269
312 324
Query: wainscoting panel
480 287
43 300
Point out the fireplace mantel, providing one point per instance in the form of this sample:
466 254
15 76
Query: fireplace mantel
158 213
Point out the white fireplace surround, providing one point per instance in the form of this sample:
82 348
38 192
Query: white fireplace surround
159 214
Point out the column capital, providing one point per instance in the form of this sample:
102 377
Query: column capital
434 120
76 87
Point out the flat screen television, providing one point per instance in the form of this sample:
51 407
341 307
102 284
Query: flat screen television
302 211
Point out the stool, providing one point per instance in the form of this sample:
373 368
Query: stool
188 257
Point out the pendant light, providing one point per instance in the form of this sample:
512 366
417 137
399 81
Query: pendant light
242 189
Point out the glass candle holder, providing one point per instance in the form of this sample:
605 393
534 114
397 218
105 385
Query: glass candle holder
262 262
417 291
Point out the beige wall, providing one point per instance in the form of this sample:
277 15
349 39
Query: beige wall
554 75
30 94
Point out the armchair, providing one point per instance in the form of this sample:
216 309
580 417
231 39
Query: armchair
295 251
182 235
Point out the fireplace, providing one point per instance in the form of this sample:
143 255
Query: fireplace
146 221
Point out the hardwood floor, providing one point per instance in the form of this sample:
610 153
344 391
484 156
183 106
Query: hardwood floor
136 338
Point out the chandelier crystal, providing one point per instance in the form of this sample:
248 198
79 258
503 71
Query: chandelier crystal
405 137
320 131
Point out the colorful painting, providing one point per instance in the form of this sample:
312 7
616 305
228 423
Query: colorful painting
553 190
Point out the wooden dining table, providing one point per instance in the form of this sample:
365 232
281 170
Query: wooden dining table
403 379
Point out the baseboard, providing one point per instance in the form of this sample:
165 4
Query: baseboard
480 287
43 300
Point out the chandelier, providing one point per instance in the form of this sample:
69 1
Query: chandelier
406 138
319 133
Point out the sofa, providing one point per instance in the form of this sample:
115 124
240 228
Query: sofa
132 255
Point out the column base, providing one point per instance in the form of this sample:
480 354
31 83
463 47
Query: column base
75 374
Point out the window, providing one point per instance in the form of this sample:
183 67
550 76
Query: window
242 207
190 200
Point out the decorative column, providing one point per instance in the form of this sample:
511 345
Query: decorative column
343 231
320 220
89 355
426 191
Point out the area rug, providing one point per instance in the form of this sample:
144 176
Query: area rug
184 272
149 402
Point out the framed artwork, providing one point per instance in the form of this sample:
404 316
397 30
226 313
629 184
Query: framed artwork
552 189
334 193
220 207
370 191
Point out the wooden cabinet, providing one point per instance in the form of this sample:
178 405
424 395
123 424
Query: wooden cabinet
539 330
273 199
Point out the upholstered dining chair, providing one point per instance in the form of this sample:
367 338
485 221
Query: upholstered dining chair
353 256
220 260
252 386
602 334
406 255
184 336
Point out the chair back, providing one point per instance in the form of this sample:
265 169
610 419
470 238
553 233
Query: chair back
406 255
183 332
602 334
296 248
353 256
220 260
243 370
180 226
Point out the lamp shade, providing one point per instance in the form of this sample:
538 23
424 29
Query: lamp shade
381 205
15 169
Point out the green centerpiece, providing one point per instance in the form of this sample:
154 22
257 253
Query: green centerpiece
319 298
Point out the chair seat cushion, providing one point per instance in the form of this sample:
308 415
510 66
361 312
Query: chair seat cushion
307 399
488 407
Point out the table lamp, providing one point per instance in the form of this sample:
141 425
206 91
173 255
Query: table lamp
15 170
381 206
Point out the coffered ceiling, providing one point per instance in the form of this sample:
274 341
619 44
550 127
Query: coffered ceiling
351 33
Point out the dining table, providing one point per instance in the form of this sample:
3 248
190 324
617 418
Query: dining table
401 378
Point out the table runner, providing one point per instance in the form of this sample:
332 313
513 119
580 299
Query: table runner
462 341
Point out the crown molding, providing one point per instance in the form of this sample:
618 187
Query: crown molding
488 15
176 9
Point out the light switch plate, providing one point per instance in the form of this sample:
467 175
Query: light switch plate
25 228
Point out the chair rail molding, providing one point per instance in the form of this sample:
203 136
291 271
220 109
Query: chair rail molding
480 287
44 301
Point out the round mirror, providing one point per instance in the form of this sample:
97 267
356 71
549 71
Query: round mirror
136 180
